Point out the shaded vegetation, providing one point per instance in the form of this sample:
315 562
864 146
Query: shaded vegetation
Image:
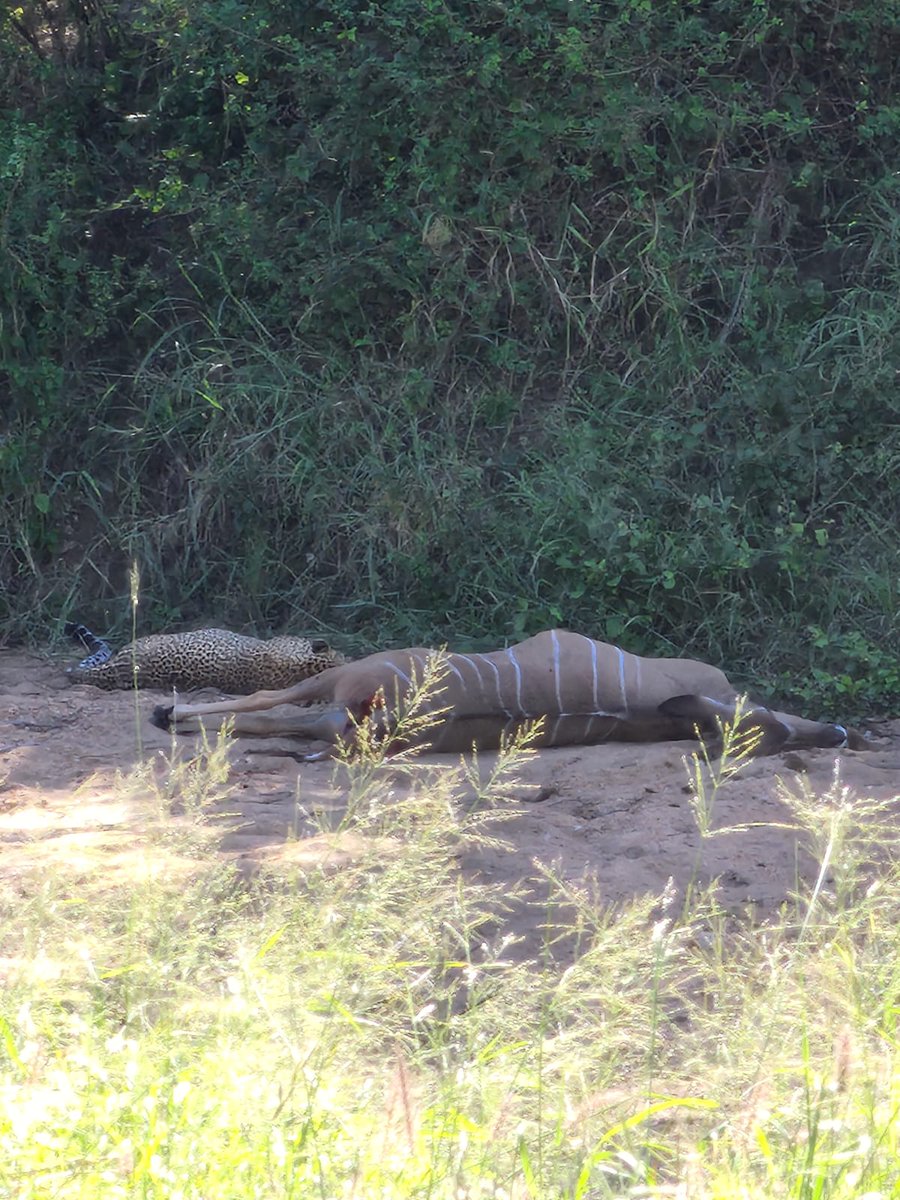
419 321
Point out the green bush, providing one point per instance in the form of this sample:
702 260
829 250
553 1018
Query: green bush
420 320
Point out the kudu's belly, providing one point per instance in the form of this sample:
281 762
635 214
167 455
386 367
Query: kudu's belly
459 735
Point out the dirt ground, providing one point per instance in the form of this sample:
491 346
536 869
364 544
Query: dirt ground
616 814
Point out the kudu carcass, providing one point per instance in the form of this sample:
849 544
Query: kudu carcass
585 691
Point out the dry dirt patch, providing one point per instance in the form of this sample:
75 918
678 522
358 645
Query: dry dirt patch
617 814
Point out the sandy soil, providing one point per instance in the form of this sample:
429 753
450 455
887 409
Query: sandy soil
617 814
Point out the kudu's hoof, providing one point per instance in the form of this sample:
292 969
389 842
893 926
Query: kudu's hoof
299 756
161 717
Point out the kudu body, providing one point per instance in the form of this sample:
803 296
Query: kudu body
585 691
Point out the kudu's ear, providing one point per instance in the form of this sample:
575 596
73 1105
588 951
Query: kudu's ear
701 713
701 710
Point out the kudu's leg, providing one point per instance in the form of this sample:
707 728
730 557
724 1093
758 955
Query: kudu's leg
166 715
331 725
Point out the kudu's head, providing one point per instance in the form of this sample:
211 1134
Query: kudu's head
778 731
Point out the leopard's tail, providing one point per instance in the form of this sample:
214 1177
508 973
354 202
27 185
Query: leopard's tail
100 652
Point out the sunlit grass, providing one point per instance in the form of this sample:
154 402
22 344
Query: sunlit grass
363 1026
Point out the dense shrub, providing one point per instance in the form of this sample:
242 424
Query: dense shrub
452 320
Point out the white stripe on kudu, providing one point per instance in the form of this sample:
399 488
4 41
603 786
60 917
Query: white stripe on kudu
654 700
472 663
458 674
500 700
556 669
594 671
407 679
518 710
621 654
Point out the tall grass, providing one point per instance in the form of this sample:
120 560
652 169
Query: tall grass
373 519
361 1025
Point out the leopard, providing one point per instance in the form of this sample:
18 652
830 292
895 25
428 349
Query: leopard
215 658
